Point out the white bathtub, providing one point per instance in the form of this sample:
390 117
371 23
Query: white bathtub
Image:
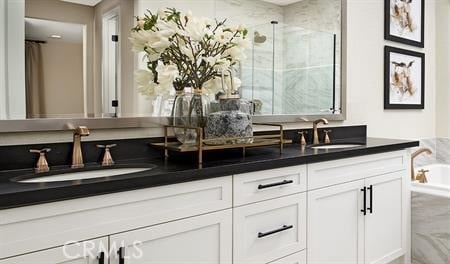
438 180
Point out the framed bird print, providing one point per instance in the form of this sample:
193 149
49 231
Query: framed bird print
404 21
404 79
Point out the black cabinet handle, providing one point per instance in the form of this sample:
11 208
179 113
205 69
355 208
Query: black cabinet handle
370 208
101 258
121 253
264 186
284 228
364 200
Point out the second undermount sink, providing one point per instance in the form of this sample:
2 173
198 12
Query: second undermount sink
336 146
82 175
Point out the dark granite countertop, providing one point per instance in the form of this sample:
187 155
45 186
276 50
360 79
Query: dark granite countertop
179 169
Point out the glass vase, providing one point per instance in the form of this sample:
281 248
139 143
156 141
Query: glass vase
199 109
180 117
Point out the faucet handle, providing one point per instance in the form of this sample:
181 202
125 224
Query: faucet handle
302 137
422 176
327 136
107 158
42 164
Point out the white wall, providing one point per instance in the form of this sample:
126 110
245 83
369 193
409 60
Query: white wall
15 58
365 74
443 69
2 60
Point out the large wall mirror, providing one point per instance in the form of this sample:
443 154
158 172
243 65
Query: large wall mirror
72 59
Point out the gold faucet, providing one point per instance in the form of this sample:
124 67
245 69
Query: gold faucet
42 164
77 155
422 176
107 158
414 156
316 133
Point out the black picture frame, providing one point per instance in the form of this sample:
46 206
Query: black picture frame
387 26
388 50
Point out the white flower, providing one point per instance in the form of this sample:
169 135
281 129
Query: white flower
222 65
141 23
195 29
214 85
145 84
188 52
167 29
162 14
166 76
138 41
211 60
236 53
222 36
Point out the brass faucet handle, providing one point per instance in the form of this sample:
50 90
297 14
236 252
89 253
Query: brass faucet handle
44 150
327 136
302 137
107 158
422 176
42 164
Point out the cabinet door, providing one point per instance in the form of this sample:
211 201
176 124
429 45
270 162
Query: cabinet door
336 224
205 239
86 252
385 223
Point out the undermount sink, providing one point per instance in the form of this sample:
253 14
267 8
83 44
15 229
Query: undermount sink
336 146
82 175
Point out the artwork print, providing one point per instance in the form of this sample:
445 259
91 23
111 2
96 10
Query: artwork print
404 79
404 21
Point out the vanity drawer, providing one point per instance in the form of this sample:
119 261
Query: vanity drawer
334 172
297 258
269 230
268 184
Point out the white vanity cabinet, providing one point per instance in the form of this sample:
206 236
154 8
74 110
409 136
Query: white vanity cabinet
351 211
86 252
363 220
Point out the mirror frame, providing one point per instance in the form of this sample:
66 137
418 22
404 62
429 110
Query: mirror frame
35 125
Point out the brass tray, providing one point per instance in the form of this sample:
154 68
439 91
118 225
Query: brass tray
202 143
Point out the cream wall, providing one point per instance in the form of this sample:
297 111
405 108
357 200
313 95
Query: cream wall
365 56
364 80
443 68
71 13
62 64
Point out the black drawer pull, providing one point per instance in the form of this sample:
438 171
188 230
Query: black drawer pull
364 200
370 208
121 253
264 186
101 258
284 228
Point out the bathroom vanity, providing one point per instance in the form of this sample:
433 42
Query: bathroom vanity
311 206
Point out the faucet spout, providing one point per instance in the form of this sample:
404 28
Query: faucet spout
77 155
315 132
414 156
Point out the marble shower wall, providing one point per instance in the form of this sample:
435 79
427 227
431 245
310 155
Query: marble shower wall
440 148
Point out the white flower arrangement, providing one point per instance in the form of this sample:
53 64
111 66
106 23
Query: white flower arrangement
185 51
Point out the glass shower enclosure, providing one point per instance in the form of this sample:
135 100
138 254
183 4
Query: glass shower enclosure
292 70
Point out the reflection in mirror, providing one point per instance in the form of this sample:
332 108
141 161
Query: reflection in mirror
79 60
54 70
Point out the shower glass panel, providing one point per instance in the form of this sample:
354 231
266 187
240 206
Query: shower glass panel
292 70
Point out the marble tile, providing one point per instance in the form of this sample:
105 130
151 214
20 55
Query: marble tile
440 148
443 150
430 224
